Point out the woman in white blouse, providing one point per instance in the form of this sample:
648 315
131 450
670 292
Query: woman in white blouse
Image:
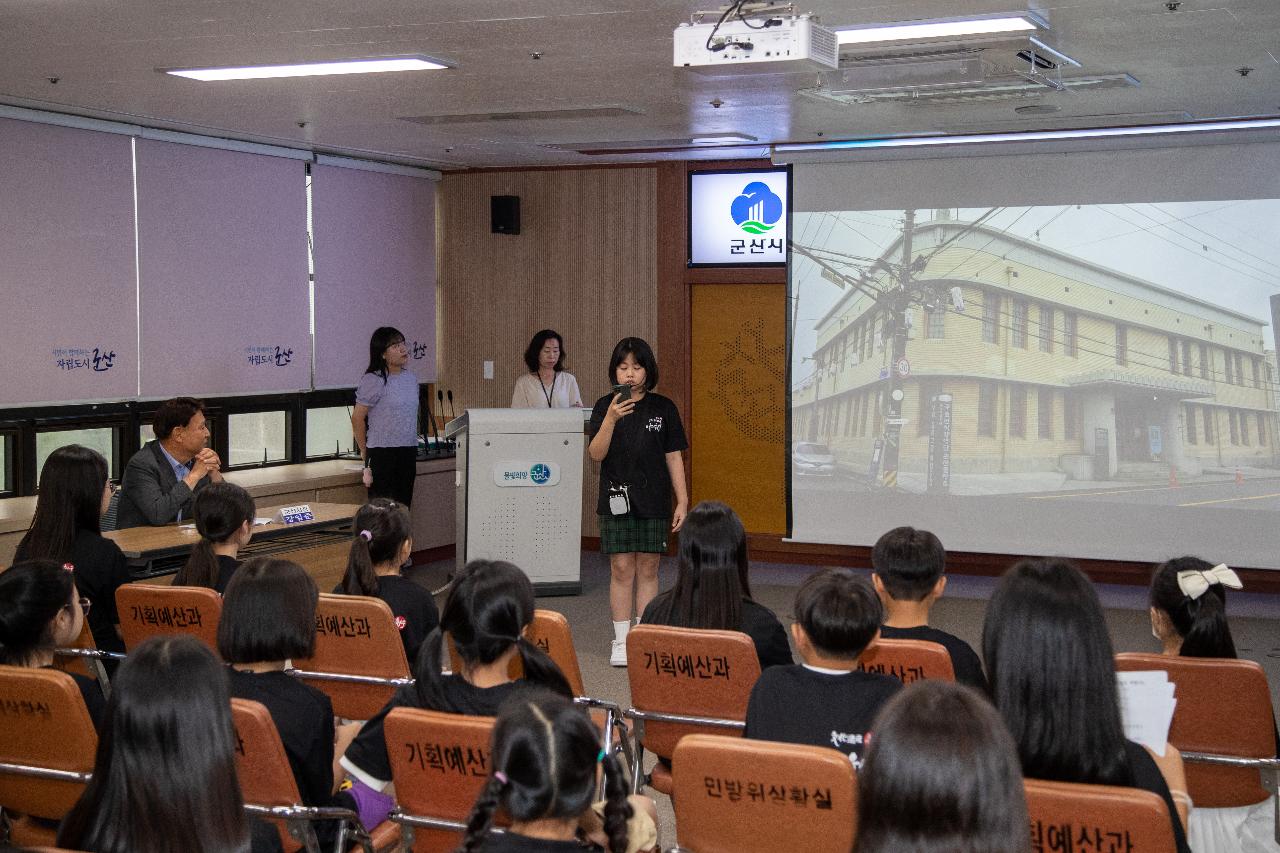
547 384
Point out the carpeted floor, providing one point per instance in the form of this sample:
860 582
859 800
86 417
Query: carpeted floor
1255 623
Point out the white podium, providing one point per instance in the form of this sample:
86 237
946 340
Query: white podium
519 492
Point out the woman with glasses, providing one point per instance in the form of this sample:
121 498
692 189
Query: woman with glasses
385 418
40 610
67 528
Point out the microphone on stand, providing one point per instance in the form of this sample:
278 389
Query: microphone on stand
434 446
440 400
449 394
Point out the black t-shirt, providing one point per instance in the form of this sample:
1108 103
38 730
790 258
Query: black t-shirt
510 842
414 608
1147 776
226 568
794 704
368 752
758 623
964 660
638 452
100 569
304 717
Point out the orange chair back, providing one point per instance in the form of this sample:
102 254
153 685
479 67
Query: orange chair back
550 632
689 672
1211 692
439 764
266 778
149 610
738 796
1066 816
356 635
908 660
43 723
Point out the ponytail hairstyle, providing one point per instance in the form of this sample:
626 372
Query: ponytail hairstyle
166 759
382 338
32 594
487 609
544 755
220 509
70 500
1200 622
381 527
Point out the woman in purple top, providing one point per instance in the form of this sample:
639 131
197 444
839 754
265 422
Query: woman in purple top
385 418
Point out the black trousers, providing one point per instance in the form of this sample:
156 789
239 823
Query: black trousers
394 471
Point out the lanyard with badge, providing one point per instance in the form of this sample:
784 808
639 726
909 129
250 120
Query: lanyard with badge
548 393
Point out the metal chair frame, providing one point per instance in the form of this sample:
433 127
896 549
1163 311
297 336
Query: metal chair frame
638 777
300 820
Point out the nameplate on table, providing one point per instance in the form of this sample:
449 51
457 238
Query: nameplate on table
295 514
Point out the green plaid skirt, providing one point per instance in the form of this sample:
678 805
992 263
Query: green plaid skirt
623 534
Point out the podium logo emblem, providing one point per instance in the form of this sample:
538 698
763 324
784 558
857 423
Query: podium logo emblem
540 473
757 209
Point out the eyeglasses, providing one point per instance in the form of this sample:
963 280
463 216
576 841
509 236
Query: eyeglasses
85 604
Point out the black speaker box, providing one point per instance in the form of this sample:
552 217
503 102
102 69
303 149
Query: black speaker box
504 214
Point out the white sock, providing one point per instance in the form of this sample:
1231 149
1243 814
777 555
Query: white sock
620 630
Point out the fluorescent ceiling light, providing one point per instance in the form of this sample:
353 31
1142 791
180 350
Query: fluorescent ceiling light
922 30
311 69
1034 135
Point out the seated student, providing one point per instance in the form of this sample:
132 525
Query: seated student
826 701
486 613
269 618
908 578
1053 679
224 515
164 780
40 609
382 543
712 590
941 776
67 528
162 477
547 757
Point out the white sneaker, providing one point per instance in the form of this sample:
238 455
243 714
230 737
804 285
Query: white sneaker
618 656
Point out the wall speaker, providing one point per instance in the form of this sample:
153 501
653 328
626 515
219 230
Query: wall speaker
504 214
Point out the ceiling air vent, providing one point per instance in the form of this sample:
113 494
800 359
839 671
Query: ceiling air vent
569 114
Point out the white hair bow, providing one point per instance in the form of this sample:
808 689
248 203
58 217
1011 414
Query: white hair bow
1193 583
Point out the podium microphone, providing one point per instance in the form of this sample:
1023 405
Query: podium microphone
449 394
434 431
440 400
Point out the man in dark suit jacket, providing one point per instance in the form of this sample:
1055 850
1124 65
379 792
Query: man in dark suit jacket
161 478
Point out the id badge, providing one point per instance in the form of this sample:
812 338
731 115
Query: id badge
619 500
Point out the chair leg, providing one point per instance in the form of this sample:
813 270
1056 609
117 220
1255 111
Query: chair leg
637 769
305 833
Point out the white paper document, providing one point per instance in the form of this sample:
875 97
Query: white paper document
1146 707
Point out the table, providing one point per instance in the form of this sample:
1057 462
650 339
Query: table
154 552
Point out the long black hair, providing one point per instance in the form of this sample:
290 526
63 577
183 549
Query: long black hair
381 526
533 352
1200 622
164 779
32 594
711 580
220 509
544 755
1052 671
941 776
383 337
487 609
70 500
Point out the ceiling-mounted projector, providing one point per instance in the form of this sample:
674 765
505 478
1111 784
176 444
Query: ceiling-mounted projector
759 44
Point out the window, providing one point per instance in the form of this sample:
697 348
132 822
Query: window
844 350
1044 413
1227 361
1046 328
1019 330
1233 426
991 318
329 432
6 458
866 410
1122 345
1186 358
935 323
835 417
101 439
1190 418
1018 411
848 415
1239 369
1262 430
1253 364
1244 428
987 408
1070 416
1173 355
1069 339
256 438
1208 424
1204 361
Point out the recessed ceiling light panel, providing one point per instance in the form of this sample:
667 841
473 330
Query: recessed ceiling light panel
915 31
311 69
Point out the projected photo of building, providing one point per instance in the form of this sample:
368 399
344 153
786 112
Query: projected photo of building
1052 371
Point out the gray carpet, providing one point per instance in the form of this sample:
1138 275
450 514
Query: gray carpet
1255 624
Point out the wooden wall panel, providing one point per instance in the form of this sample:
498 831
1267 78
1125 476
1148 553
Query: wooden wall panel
584 264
